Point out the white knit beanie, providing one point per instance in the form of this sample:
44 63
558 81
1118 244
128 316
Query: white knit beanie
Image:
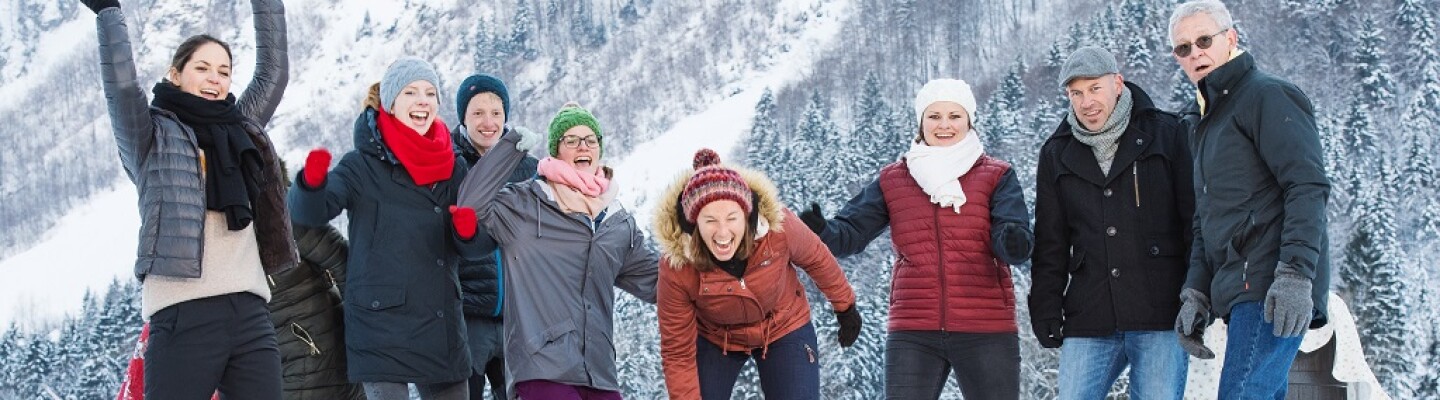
937 90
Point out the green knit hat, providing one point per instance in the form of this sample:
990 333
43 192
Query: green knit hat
570 116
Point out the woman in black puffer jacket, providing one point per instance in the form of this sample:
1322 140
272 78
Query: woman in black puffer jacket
305 307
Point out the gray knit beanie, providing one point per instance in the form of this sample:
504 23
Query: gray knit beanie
401 73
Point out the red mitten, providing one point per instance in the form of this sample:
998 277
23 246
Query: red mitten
464 220
316 165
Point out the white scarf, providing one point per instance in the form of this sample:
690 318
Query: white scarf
938 169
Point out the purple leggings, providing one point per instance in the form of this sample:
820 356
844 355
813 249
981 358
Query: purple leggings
547 390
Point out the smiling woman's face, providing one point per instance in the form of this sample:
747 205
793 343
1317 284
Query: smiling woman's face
584 157
206 74
944 123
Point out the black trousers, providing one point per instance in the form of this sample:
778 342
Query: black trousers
986 365
224 343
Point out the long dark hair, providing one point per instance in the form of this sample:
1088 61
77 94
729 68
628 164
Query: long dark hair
187 49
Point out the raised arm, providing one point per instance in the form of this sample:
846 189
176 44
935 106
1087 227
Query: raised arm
490 173
128 106
272 62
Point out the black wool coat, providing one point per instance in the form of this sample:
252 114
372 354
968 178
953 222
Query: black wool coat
1112 251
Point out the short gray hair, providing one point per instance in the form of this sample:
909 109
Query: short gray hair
1214 8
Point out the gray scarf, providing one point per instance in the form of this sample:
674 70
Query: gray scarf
1105 141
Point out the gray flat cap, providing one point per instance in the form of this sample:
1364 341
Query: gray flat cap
1088 62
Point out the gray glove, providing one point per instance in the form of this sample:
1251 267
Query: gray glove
1287 303
1190 324
528 139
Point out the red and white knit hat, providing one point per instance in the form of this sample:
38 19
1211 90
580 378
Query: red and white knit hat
712 182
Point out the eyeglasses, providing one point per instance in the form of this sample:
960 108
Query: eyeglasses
1203 42
572 141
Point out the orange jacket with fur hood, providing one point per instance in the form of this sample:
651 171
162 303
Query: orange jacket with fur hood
737 314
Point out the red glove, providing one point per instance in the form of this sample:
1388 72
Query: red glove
464 220
316 165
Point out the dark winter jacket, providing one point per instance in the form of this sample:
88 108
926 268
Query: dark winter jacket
160 154
951 269
480 283
1260 188
1111 251
561 273
403 320
305 308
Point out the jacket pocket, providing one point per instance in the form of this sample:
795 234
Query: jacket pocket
376 298
550 336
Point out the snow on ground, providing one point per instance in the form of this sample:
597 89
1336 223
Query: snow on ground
86 250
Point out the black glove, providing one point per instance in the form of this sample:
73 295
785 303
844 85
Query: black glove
1190 324
813 218
1017 241
1048 333
97 5
850 322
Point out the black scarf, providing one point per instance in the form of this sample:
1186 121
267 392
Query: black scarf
232 162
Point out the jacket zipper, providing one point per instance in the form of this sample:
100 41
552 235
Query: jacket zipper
1135 178
941 267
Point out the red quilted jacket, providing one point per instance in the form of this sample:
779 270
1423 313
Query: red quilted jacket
946 276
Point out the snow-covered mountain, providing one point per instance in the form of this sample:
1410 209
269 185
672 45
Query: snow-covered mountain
668 77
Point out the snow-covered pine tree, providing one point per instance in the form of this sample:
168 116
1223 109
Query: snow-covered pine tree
811 160
11 355
764 145
522 28
872 125
1374 95
1383 313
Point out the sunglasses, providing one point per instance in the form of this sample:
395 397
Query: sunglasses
1203 42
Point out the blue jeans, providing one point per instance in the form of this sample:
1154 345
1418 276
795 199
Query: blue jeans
791 370
1089 365
985 365
1257 364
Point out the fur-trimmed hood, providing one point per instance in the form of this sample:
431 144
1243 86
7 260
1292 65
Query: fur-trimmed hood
675 243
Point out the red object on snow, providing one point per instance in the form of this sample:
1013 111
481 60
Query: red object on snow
133 386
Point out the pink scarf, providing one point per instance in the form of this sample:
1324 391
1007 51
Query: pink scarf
576 191
563 172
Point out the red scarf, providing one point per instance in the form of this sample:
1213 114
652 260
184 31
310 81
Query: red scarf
428 158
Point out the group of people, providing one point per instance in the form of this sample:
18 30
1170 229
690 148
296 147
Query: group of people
470 262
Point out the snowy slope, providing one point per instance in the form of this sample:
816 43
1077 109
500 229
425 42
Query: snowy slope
89 247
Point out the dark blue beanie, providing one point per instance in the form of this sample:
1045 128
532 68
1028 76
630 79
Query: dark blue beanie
477 84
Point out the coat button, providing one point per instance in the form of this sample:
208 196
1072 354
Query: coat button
729 289
1139 141
437 210
1115 272
375 304
442 262
440 314
1154 250
1108 192
1110 231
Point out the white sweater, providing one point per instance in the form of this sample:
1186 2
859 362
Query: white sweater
230 264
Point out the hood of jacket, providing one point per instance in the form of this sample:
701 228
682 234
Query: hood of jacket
675 243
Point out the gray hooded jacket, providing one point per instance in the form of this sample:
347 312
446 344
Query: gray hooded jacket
560 275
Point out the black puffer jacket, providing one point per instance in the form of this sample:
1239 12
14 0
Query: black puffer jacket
305 308
1111 252
481 283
